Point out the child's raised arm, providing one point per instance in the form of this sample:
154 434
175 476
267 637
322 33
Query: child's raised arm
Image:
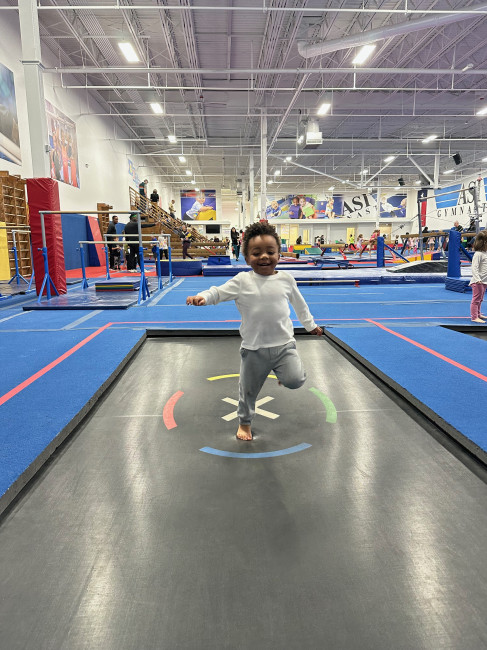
197 301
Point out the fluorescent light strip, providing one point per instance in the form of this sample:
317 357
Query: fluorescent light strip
172 138
129 53
389 159
482 111
157 108
430 138
324 108
363 54
449 171
182 159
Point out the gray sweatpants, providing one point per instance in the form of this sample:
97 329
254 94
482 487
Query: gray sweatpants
255 365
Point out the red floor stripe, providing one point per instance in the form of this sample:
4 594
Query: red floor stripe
430 351
50 366
168 412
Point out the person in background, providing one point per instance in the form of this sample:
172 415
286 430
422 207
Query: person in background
143 187
235 244
186 237
154 197
163 245
172 208
479 277
457 226
131 232
299 241
112 230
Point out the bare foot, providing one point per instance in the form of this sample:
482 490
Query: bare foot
244 432
477 320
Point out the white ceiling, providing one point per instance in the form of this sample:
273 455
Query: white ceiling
215 70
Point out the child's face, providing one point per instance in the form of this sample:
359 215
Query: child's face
274 205
262 254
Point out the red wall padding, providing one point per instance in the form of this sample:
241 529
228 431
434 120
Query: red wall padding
96 235
43 194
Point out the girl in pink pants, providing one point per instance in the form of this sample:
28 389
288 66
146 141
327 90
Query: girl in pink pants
479 277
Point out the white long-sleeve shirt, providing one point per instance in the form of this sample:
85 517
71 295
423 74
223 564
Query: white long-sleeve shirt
479 267
263 302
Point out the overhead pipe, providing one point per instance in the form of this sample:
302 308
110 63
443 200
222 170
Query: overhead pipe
247 71
381 33
242 89
261 9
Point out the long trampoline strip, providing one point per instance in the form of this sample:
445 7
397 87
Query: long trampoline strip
168 411
27 382
430 351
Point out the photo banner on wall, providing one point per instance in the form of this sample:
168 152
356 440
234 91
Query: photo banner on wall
9 125
336 206
134 176
198 205
64 146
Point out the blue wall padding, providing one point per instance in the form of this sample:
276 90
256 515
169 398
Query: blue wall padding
183 267
454 254
74 230
95 255
380 251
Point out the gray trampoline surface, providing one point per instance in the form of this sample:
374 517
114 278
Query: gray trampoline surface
132 538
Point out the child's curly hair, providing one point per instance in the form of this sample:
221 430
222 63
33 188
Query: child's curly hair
258 230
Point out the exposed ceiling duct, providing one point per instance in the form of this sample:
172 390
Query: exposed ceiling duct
362 38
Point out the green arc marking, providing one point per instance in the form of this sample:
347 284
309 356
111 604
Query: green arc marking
331 412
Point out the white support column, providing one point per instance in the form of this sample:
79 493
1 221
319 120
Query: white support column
377 212
436 171
263 163
251 187
244 203
34 88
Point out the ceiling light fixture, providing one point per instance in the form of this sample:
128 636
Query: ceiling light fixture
196 189
288 158
300 139
269 182
330 189
188 172
182 159
172 138
129 53
482 111
363 54
430 138
449 171
389 159
364 171
193 182
417 182
484 159
324 108
277 172
157 108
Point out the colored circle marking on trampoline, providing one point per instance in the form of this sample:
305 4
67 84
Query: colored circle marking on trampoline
170 422
168 411
255 454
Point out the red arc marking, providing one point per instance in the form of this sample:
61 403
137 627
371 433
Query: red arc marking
168 412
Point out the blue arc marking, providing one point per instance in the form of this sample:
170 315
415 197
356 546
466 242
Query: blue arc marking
266 454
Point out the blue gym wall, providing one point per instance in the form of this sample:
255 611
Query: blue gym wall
74 230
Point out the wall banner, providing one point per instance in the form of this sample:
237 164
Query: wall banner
198 205
9 125
64 146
